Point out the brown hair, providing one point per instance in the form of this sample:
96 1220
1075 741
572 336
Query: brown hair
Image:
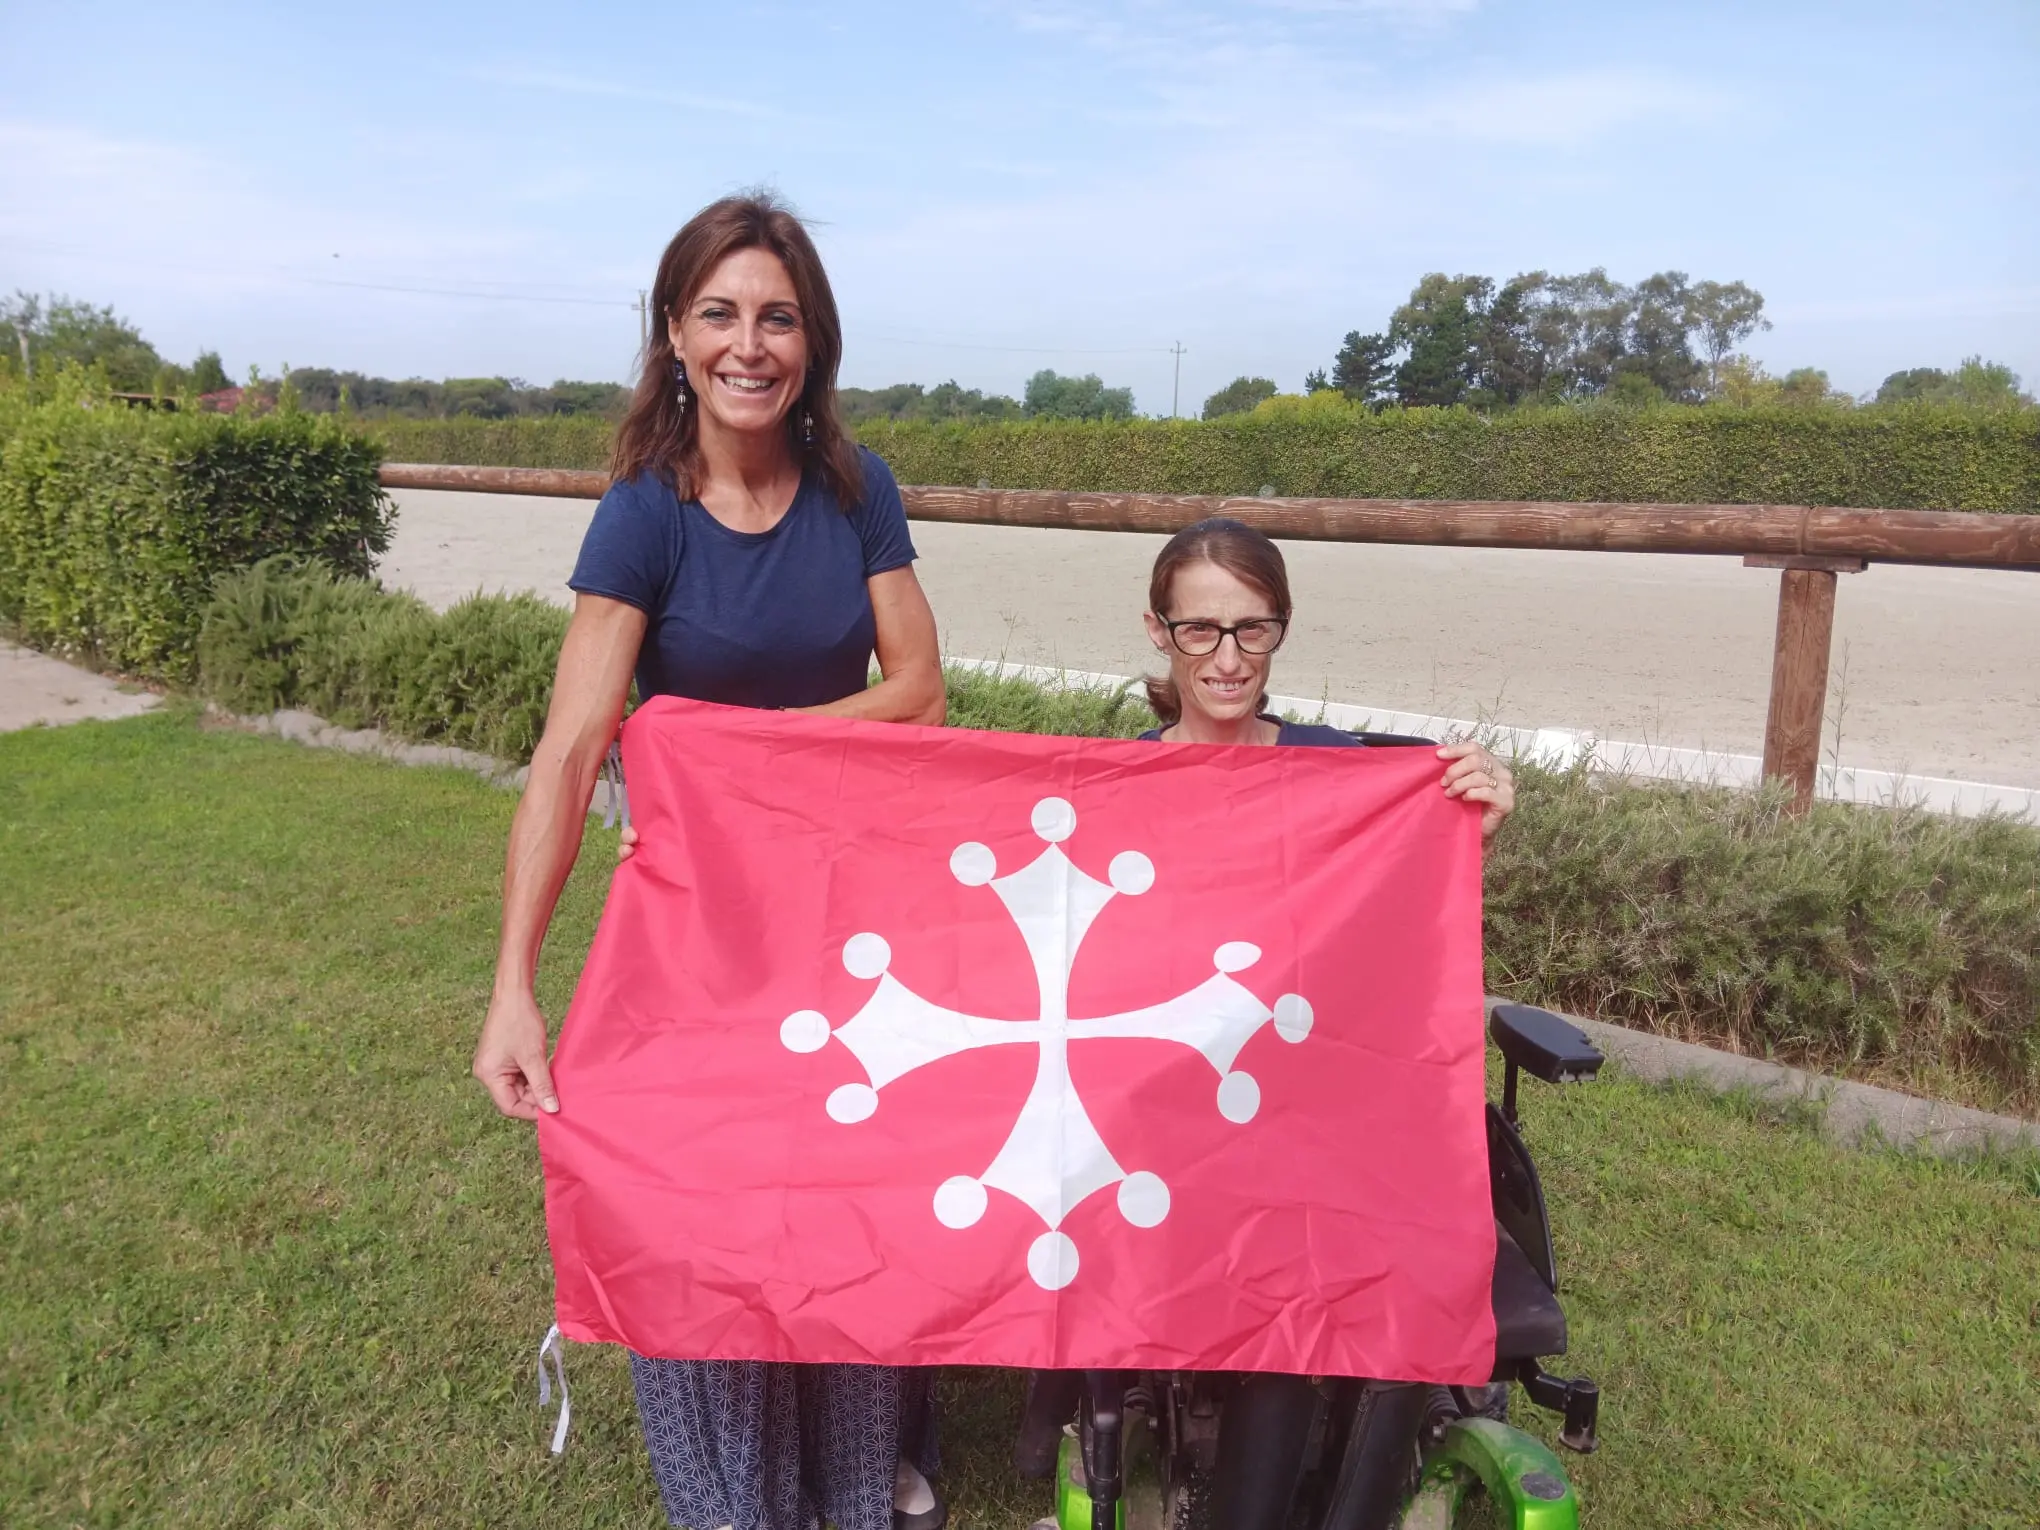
1241 551
657 435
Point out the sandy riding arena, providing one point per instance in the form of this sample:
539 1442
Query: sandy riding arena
1936 671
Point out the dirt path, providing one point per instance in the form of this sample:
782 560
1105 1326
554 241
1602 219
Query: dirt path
1937 670
35 688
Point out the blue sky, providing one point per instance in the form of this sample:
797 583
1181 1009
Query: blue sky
1001 188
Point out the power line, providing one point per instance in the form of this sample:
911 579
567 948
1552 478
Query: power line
1030 350
283 273
497 297
640 303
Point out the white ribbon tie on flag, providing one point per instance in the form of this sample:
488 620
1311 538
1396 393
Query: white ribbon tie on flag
617 801
552 1349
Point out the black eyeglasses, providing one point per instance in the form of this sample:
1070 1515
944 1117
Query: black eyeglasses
1196 639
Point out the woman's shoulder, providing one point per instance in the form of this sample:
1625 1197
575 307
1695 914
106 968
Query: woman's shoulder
644 491
632 543
878 516
1318 735
876 469
1295 733
859 484
877 490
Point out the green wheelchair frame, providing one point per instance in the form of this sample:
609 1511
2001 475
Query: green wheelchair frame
1456 1462
1518 1473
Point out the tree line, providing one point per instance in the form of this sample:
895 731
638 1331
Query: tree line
47 333
1536 339
1541 339
42 334
323 391
1048 396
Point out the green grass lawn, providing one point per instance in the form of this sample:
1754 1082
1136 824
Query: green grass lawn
268 1258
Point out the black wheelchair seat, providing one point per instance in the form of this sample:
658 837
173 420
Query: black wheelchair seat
1529 1323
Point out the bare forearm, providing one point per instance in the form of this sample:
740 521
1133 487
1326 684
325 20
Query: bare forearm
908 657
545 838
602 643
911 694
545 835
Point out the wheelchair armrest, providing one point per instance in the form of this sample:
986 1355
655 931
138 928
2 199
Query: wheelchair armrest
1543 1044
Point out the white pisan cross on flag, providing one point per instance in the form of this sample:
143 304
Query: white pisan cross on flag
1054 1157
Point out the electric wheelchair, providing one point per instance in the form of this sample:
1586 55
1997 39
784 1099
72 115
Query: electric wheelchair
1281 1452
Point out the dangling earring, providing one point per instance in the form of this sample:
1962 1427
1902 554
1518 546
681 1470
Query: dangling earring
680 383
807 427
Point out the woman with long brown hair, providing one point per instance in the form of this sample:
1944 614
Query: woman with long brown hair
746 553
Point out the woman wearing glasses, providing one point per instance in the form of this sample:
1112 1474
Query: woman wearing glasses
1218 608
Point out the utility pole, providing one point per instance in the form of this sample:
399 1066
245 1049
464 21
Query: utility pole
1176 388
644 322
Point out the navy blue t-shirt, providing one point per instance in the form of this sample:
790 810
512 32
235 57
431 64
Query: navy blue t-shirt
1301 733
777 618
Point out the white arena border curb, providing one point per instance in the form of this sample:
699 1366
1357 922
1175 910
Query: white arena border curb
1851 1114
310 729
1560 748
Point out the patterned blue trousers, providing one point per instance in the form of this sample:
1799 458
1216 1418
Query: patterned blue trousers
768 1446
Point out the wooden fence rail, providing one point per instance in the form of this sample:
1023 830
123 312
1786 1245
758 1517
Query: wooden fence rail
1809 544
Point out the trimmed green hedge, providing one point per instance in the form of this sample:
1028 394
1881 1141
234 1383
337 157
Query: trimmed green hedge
563 441
1898 943
114 522
286 634
1918 458
1915 457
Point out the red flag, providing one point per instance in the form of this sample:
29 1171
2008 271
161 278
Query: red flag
920 1045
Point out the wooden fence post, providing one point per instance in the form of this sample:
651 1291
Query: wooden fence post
1799 667
1810 544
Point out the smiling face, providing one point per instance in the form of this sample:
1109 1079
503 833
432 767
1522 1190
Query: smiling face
1220 690
744 341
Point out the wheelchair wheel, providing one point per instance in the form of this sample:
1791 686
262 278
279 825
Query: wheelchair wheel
1477 1511
1481 1473
1472 1510
1188 1502
1490 1401
1380 1463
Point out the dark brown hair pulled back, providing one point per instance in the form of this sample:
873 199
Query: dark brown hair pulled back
1248 555
657 435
